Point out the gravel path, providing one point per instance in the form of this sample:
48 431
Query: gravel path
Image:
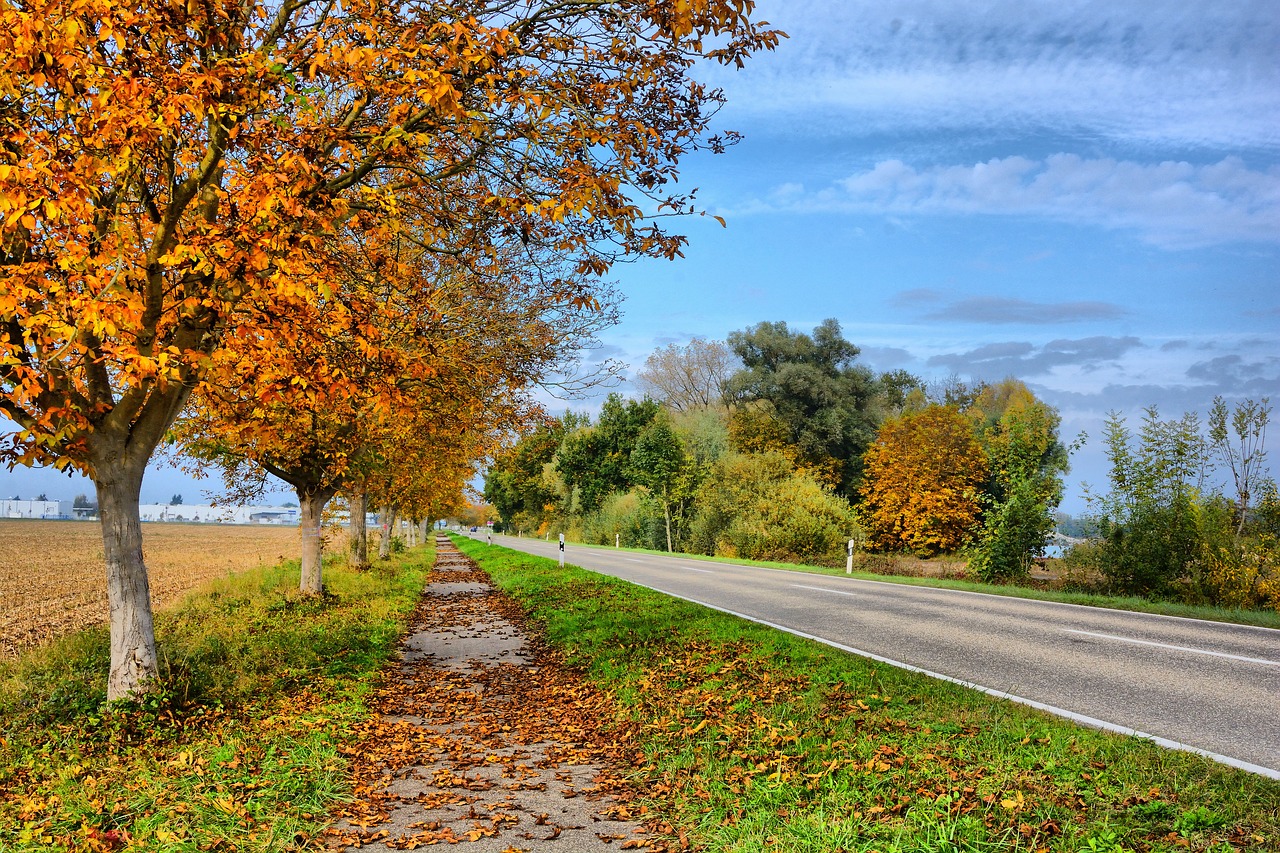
486 740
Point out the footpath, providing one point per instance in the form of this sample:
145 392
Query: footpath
484 739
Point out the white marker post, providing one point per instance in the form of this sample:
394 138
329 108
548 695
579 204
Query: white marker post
561 550
617 537
848 561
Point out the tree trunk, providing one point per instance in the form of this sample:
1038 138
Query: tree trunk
359 534
311 509
666 515
133 640
389 518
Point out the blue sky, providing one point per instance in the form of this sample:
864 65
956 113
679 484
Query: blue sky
1084 195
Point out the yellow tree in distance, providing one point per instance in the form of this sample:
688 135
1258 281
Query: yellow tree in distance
923 480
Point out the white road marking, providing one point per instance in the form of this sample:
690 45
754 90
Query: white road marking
633 560
824 589
1091 722
1262 661
692 569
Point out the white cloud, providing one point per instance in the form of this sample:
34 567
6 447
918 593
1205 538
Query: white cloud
1170 204
1163 72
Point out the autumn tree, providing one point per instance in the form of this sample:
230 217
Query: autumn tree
689 377
814 388
402 353
924 476
1026 463
160 164
476 515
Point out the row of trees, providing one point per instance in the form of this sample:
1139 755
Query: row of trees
779 445
341 241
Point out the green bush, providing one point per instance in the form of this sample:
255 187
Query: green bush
1013 534
1148 552
755 507
623 514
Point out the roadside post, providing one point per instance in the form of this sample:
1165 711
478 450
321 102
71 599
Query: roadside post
617 538
562 550
848 560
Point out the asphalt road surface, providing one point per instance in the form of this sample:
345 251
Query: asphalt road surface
1205 686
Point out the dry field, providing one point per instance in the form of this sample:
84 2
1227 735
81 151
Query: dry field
52 580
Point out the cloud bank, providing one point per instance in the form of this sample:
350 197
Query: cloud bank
1163 72
1024 359
1173 204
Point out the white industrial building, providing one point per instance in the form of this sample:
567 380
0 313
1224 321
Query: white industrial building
182 513
35 509
220 514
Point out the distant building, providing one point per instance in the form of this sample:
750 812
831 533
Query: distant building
205 514
183 513
35 509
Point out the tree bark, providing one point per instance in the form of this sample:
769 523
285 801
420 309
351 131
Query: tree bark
666 515
359 534
119 449
311 505
133 642
388 517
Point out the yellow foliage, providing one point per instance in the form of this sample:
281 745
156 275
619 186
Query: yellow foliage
1244 577
923 476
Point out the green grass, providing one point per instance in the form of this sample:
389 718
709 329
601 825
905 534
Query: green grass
767 742
1258 618
240 748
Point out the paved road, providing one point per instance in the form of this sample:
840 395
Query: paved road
1205 686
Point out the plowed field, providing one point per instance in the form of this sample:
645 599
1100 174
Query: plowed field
52 580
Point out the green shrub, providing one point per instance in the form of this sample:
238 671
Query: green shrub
622 514
755 507
1014 532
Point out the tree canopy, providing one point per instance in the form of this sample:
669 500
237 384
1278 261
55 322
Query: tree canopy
690 377
924 477
814 389
596 460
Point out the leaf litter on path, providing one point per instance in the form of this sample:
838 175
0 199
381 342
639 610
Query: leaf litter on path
484 737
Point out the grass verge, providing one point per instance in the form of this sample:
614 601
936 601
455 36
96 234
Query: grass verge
767 742
238 750
1258 618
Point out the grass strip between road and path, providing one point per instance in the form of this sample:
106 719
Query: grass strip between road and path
1131 603
238 750
759 740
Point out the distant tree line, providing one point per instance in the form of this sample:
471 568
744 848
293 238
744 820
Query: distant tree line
777 444
780 445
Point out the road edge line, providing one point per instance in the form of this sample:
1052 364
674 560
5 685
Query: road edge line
1090 722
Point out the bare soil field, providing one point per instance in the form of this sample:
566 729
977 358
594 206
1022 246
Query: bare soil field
52 580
